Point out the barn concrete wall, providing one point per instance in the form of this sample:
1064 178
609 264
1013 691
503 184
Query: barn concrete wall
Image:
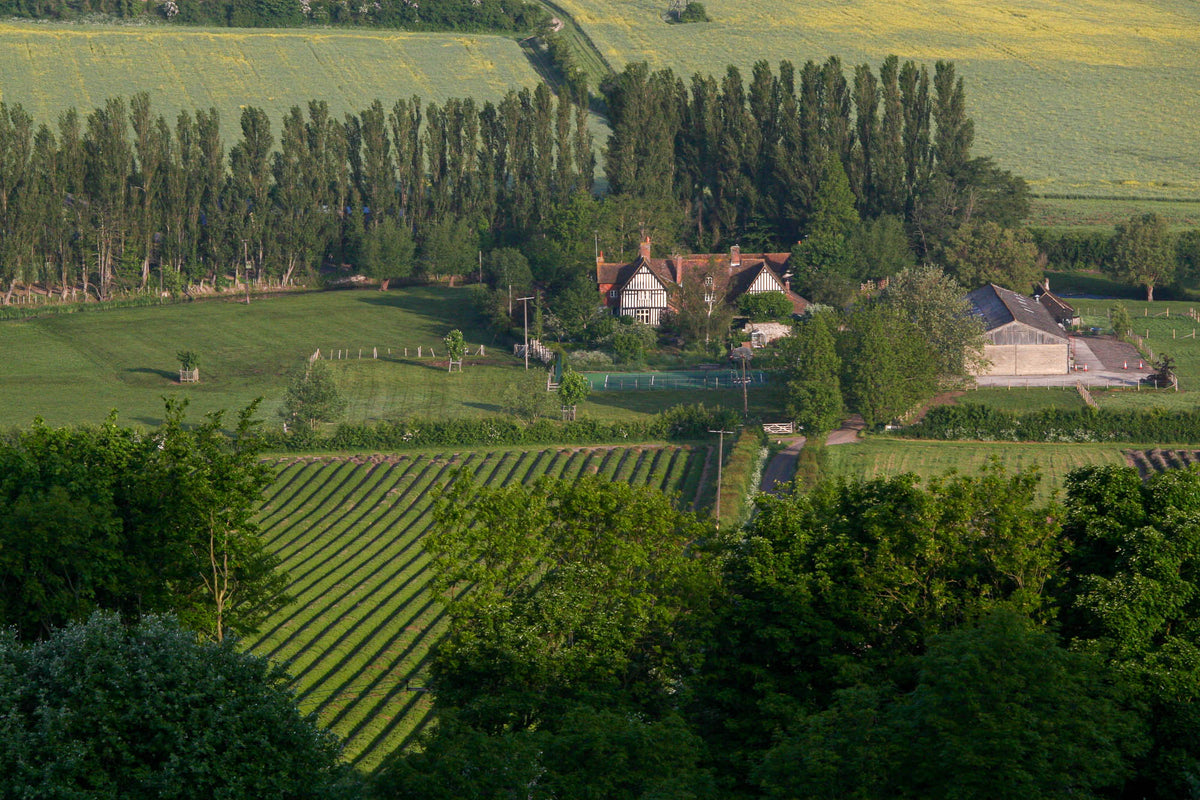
1026 359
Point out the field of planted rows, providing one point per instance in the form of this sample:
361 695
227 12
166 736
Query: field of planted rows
349 531
50 67
1157 460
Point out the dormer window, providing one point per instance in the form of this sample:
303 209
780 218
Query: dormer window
708 281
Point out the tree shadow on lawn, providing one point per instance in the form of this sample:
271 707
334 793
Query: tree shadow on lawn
485 407
439 308
169 374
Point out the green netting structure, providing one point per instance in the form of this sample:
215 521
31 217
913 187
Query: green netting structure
686 379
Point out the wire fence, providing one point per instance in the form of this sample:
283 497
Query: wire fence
649 381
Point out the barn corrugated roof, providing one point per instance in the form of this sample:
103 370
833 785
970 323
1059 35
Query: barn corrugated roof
998 306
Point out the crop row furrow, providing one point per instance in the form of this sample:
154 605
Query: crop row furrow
357 638
280 520
317 558
332 586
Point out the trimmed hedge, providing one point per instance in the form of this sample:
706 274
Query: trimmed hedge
977 422
680 422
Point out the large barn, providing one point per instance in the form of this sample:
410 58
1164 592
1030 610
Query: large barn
1021 336
642 288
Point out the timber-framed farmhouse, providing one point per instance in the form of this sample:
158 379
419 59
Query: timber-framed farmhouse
643 288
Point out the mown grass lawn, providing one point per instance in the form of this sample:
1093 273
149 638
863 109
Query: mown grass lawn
79 367
880 457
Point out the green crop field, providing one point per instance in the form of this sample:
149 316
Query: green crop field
78 367
50 67
1086 97
876 457
349 530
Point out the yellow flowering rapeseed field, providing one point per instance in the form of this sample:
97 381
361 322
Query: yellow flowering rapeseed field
50 67
1078 96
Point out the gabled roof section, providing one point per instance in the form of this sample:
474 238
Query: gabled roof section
679 268
998 306
1059 309
617 275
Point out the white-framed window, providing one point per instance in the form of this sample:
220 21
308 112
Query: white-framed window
642 315
612 293
708 281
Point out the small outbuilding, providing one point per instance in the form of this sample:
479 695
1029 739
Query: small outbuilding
1021 337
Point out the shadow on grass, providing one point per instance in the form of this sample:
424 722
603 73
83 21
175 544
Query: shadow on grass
485 407
171 375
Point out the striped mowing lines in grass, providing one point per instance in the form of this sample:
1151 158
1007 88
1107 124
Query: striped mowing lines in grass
875 458
50 67
349 530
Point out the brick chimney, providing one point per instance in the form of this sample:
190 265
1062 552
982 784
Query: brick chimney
787 284
735 256
645 248
679 265
599 258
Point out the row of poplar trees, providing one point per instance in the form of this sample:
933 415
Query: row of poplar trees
121 200
747 161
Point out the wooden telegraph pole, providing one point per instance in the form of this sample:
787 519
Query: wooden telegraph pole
720 464
525 315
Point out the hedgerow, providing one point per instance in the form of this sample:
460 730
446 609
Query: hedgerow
977 422
677 423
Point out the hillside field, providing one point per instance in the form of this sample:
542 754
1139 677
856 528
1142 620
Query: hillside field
349 530
882 457
74 368
50 67
1093 97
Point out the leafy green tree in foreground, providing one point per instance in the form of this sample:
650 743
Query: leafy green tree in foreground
560 671
100 709
109 517
575 587
842 586
1000 710
1143 253
313 396
1130 593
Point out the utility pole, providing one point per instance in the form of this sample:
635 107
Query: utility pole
525 315
720 464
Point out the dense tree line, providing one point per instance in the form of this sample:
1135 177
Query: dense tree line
454 15
131 522
123 200
867 638
881 357
747 159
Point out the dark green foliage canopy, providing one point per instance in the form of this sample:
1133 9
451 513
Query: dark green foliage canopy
765 306
1143 253
113 518
101 709
313 396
